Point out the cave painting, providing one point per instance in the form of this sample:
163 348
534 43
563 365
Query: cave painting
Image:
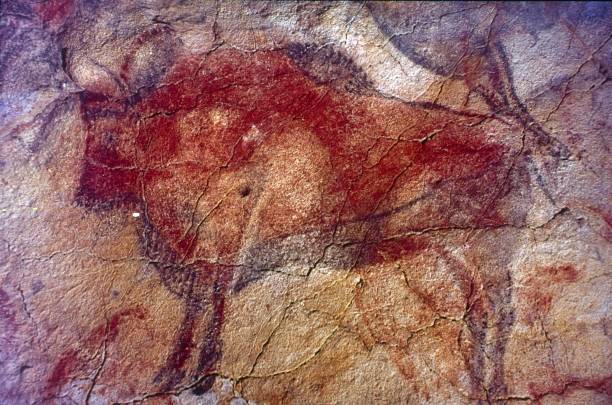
231 153
305 202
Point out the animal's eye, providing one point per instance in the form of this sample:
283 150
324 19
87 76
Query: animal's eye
245 190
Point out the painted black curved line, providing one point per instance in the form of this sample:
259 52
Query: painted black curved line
497 71
388 28
501 81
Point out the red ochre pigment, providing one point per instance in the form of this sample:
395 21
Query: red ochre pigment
164 150
73 361
135 145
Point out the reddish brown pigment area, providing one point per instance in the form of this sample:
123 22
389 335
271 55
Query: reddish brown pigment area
193 153
460 344
543 286
74 362
54 11
564 386
167 136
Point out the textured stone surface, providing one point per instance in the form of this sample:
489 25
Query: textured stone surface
295 202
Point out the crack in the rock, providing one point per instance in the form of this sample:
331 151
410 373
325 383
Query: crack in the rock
98 371
174 392
264 346
309 358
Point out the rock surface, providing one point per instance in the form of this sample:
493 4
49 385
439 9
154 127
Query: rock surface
305 202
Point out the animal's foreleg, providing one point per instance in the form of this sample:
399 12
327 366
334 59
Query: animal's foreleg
174 370
210 351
